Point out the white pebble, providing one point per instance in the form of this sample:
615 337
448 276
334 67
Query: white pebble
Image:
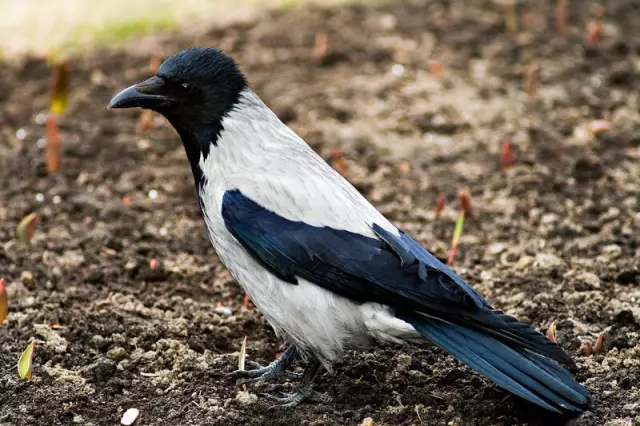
21 134
41 118
56 199
39 197
397 70
153 194
144 144
224 311
41 143
129 416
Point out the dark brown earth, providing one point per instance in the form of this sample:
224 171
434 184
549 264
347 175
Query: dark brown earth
555 238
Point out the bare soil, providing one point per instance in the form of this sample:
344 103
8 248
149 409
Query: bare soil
555 238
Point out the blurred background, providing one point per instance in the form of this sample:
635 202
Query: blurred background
37 27
502 135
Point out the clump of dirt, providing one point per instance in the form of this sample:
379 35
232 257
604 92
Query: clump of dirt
555 238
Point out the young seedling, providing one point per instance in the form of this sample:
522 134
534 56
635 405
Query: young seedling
146 119
593 33
59 101
562 15
511 16
597 127
338 161
153 264
321 46
506 157
551 332
465 209
531 80
25 363
4 302
26 228
53 145
526 19
405 167
242 357
599 342
588 348
245 302
436 67
465 201
456 237
594 28
59 88
440 203
126 200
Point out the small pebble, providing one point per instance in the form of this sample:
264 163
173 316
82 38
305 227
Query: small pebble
117 354
129 416
144 144
246 398
39 197
41 143
56 199
41 118
223 310
397 70
21 134
153 194
587 281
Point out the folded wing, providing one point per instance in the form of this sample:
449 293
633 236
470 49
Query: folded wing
396 271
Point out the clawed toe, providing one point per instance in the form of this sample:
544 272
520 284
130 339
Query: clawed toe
304 392
258 373
292 400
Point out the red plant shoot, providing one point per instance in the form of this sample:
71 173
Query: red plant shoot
465 201
53 145
321 46
506 156
338 161
562 15
440 203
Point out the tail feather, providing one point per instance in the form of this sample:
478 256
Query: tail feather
523 373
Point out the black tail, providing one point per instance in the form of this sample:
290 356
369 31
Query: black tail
518 370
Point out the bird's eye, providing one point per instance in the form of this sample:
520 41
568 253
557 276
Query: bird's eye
185 88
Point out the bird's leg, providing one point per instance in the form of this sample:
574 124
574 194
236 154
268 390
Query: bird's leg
258 373
304 392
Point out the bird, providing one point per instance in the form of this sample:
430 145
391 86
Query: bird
325 268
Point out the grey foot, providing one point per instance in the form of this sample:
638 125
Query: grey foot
292 400
305 392
258 373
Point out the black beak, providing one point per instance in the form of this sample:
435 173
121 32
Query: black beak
146 94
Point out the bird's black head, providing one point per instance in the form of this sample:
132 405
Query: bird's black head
196 86
194 89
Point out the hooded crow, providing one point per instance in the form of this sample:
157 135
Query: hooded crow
326 269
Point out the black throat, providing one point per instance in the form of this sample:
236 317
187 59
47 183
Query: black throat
198 142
